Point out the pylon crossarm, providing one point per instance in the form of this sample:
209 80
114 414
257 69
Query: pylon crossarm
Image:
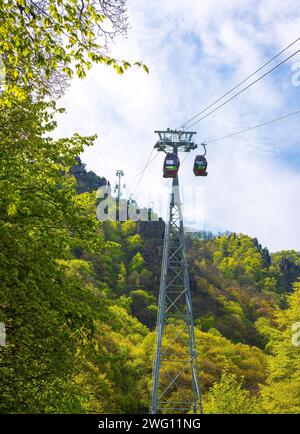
177 361
176 402
175 292
178 409
181 317
179 355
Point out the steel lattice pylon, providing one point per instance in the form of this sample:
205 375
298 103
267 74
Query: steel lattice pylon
176 385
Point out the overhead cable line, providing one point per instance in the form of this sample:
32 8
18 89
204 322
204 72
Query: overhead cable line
149 161
141 171
241 82
245 88
254 127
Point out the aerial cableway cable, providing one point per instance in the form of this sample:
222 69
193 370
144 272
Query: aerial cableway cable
242 82
254 127
245 88
149 161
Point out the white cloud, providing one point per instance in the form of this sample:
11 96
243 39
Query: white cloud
196 52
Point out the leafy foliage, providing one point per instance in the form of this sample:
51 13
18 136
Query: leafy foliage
228 397
43 43
281 394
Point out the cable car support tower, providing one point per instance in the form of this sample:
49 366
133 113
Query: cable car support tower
176 385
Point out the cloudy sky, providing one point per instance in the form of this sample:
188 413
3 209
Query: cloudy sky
196 51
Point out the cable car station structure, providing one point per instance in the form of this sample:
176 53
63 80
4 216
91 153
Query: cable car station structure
176 384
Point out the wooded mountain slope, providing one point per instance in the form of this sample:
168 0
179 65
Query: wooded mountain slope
79 300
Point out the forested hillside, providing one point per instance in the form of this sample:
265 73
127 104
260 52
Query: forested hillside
79 298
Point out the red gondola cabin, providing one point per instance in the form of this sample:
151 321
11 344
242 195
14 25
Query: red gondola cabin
171 166
200 166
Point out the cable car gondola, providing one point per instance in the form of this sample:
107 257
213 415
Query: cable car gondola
200 164
171 165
